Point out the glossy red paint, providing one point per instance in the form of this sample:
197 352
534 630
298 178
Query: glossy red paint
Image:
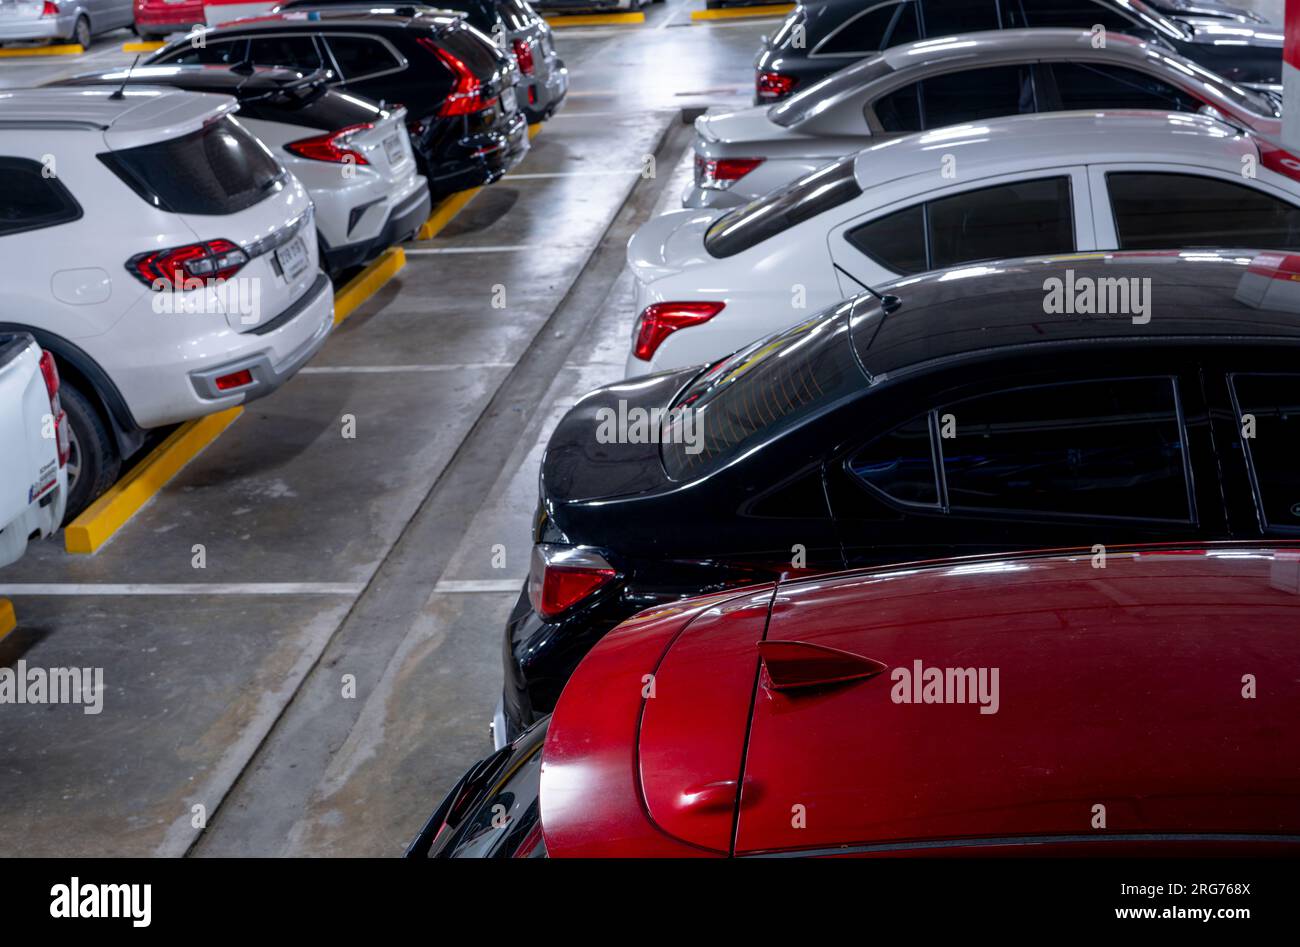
1119 687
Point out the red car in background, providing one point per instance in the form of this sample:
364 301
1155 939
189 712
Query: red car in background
1139 701
155 19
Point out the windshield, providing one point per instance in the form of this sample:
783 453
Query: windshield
762 390
823 94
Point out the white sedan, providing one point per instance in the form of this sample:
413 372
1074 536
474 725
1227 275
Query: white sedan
709 282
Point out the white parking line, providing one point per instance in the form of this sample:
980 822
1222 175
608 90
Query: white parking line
500 248
398 369
182 588
452 586
568 174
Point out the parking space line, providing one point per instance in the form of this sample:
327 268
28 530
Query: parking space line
540 175
744 13
99 521
398 369
476 586
63 589
8 619
595 19
510 248
62 49
366 283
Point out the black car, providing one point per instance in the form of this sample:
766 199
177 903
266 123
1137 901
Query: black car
958 417
820 37
458 88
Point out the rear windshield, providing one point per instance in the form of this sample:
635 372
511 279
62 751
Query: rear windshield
310 105
219 169
803 105
762 390
780 210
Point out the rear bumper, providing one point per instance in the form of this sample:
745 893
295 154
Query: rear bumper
404 222
170 18
545 94
43 516
482 159
696 198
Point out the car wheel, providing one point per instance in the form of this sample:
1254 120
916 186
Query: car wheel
93 461
81 32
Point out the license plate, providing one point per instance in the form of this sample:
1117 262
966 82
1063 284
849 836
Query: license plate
292 258
508 101
393 148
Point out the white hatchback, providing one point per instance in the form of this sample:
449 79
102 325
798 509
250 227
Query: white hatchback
710 282
161 253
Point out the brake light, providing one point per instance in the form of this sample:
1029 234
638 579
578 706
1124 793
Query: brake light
50 9
332 146
524 56
50 372
234 380
773 86
660 320
562 576
466 96
721 173
188 267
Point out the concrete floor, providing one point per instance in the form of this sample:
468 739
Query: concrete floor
233 699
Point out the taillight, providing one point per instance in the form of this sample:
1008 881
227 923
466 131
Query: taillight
190 266
773 86
50 9
332 146
234 380
721 173
524 56
466 96
562 576
50 372
660 320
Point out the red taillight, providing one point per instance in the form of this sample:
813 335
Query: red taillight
50 373
190 266
562 576
773 86
234 380
721 173
331 146
660 320
524 56
50 9
466 96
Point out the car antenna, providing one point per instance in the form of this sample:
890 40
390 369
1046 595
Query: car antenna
120 91
888 301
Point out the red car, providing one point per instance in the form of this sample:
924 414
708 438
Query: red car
1122 702
155 19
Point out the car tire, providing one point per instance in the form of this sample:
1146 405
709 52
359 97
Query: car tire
93 461
81 32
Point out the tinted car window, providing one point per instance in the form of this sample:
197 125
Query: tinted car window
297 51
781 209
900 464
1072 14
227 53
945 17
1096 448
801 105
761 390
219 169
895 241
29 200
1088 86
867 32
360 56
1273 401
976 94
900 110
1160 211
1020 219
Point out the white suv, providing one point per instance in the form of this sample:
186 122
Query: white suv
161 253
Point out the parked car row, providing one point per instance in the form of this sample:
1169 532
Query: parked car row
208 195
1053 308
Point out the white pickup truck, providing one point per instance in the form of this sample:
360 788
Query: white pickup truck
33 445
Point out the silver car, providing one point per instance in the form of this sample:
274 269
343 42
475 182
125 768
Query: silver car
543 78
957 80
62 20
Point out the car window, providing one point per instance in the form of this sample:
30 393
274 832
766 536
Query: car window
217 52
360 56
1096 448
867 32
945 17
1070 14
1273 404
976 94
31 200
901 464
900 110
782 208
1158 211
761 390
804 104
1023 218
1099 86
298 51
219 169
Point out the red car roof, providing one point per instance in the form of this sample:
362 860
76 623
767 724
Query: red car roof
1002 701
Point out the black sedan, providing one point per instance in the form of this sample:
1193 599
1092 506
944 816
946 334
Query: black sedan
458 88
820 37
960 417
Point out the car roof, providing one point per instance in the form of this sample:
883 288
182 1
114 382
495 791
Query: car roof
1021 42
326 16
198 78
988 309
1058 138
139 116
